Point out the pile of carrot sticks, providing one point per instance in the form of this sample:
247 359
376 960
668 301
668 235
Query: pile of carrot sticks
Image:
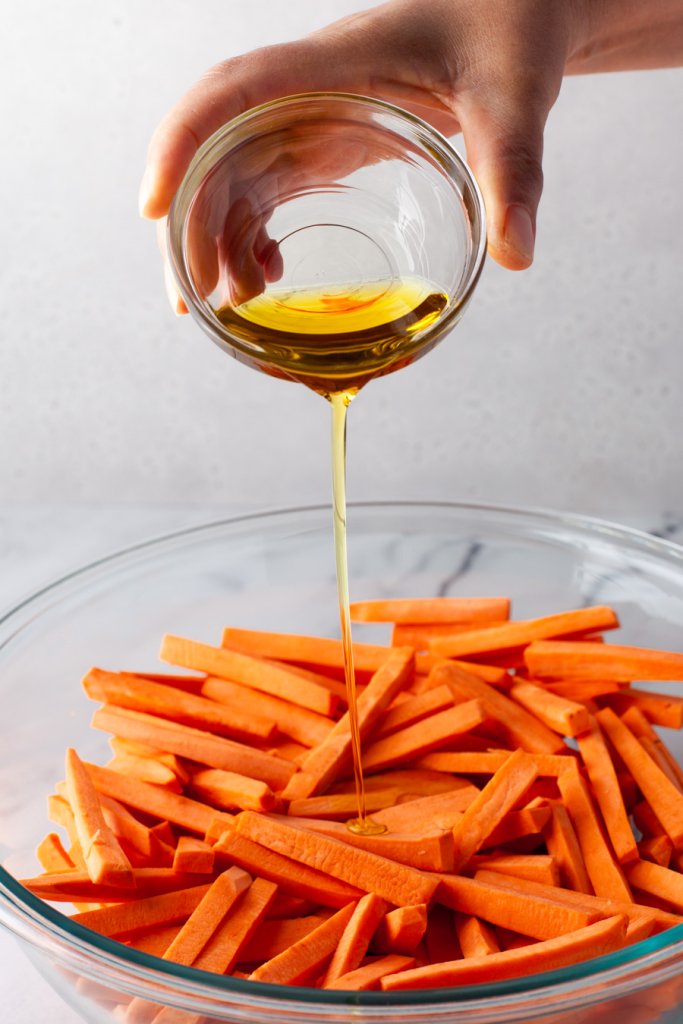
533 814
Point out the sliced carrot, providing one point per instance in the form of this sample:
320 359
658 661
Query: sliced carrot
565 850
224 948
285 905
524 729
293 877
478 762
75 884
592 941
537 867
138 694
241 668
412 710
425 662
146 769
508 785
606 876
207 915
432 610
304 726
659 708
511 906
419 739
155 940
646 821
154 800
368 977
273 937
565 660
52 855
195 745
561 715
341 806
476 938
513 635
306 958
607 792
401 930
411 783
105 861
124 919
193 855
530 821
658 881
396 883
583 689
655 749
665 799
127 828
325 762
60 812
658 849
231 790
427 851
441 810
355 939
418 635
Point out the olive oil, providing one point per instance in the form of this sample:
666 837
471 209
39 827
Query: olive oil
335 340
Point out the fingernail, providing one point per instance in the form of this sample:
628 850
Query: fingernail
519 231
145 193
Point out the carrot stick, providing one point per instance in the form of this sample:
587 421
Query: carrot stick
566 660
607 792
511 906
559 714
285 905
583 689
127 747
524 729
341 806
423 737
476 938
354 942
527 822
431 610
224 948
138 694
230 790
427 851
240 668
442 810
195 745
512 635
124 919
291 876
418 635
564 848
154 800
126 827
304 726
665 799
582 944
534 866
368 977
273 937
488 762
425 662
658 849
145 769
498 797
658 881
401 930
193 855
396 883
105 861
156 940
606 876
306 958
659 708
327 761
207 915
74 884
60 812
415 709
52 855
305 650
411 783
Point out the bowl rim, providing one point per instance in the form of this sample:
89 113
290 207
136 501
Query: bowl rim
43 926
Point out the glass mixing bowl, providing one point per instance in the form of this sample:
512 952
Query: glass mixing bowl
276 571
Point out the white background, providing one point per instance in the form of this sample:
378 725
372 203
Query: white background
562 386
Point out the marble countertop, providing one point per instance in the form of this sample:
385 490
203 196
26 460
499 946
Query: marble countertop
39 544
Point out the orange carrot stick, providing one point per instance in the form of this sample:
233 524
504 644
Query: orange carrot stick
664 798
143 695
658 849
413 710
354 942
156 940
146 769
660 708
341 806
52 854
207 915
304 726
583 689
275 936
559 714
565 850
224 948
127 828
396 883
427 851
567 661
105 861
476 937
513 635
228 664
305 650
418 635
419 739
231 790
425 662
368 977
479 762
592 941
411 783
606 876
529 821
195 745
293 877
75 884
124 919
498 797
432 610
537 867
306 958
658 881
193 855
441 810
401 930
607 792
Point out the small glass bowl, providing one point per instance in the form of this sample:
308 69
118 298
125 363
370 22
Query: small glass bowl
276 571
320 203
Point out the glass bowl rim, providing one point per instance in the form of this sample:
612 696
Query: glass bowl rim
39 924
180 206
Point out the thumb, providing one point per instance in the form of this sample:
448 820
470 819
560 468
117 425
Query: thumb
505 152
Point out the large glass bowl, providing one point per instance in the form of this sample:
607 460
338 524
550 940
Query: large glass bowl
276 571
